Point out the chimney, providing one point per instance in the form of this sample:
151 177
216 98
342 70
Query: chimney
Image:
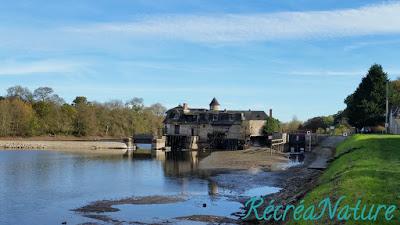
185 107
270 113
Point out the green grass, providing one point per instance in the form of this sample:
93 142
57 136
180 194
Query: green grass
367 168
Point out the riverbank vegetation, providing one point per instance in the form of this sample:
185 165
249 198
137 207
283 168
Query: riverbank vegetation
44 113
365 107
366 167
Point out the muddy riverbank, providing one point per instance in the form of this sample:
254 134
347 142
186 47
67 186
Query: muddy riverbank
232 178
297 181
249 159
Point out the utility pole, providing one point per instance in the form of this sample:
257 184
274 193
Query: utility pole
387 108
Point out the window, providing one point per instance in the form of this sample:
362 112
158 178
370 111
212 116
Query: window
215 117
177 129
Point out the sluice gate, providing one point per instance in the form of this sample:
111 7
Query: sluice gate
178 142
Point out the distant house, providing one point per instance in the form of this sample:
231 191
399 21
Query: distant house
213 128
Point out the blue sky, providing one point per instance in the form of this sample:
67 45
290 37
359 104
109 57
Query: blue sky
298 57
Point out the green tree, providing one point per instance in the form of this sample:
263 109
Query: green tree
16 118
135 104
394 93
319 122
80 100
21 114
366 106
340 117
85 123
271 125
291 126
66 122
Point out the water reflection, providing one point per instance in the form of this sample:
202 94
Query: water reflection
45 185
180 163
213 188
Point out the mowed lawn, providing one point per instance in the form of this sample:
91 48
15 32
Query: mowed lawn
367 167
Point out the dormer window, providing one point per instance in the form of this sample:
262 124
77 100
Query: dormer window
214 117
176 116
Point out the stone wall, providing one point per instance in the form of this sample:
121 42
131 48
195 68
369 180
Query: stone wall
256 127
236 131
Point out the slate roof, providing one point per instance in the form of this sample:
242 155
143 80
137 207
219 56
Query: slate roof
214 102
222 117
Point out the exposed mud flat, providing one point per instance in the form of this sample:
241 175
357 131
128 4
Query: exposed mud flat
107 205
208 219
250 159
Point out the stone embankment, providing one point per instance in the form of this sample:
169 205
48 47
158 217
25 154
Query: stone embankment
54 145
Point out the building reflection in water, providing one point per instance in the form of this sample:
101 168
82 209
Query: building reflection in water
212 188
180 164
184 165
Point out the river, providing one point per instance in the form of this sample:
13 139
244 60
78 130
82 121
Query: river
42 187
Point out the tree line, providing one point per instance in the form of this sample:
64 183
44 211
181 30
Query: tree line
365 107
42 112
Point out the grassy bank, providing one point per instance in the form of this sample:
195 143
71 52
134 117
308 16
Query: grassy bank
366 167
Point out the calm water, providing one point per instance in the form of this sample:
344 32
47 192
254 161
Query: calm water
41 187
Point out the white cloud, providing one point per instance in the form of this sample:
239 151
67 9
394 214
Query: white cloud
368 20
44 66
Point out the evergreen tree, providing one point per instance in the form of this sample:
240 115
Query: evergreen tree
272 125
366 106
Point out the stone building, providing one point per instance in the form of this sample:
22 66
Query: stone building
213 128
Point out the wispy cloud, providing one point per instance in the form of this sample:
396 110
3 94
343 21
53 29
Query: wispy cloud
326 73
34 67
363 44
368 20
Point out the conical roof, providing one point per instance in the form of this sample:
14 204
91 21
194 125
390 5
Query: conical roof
214 102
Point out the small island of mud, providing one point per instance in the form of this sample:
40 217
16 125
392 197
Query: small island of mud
107 205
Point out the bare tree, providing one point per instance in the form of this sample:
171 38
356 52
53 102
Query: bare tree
43 93
20 92
157 109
